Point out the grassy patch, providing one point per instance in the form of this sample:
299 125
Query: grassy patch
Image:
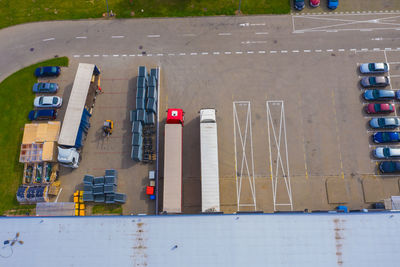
107 209
22 11
23 210
16 100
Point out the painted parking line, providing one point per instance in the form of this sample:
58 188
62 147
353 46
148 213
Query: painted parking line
117 36
243 142
224 33
278 152
80 37
48 39
153 35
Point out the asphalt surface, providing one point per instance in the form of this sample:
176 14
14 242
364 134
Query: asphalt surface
285 87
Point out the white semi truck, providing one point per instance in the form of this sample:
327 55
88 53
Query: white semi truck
209 161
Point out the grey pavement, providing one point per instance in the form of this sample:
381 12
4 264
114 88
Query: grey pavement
293 79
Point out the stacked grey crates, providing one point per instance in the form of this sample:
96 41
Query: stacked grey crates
146 109
102 189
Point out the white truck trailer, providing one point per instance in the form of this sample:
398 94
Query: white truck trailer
209 161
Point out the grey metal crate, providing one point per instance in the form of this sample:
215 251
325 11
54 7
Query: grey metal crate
137 127
151 105
98 190
111 172
152 81
87 196
99 180
137 153
154 72
141 82
152 92
150 118
110 188
132 115
109 180
99 198
88 179
140 103
137 139
87 188
142 71
141 92
120 198
110 198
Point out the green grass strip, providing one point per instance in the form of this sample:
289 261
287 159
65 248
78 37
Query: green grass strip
22 11
16 100
103 209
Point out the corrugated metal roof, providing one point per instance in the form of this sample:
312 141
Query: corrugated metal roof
76 104
371 239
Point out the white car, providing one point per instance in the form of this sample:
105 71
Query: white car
47 102
386 152
367 68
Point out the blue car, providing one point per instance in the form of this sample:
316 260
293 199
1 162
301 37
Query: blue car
333 4
386 137
42 114
376 94
45 88
384 123
47 71
299 4
389 166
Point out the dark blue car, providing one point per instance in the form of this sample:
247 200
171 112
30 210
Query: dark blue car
45 88
389 166
47 71
42 114
333 4
386 137
299 4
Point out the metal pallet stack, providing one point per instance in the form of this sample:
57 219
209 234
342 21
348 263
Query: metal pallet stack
145 112
102 189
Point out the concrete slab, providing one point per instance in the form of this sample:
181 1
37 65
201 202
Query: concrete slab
337 191
373 190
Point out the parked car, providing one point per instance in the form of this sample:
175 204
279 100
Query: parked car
384 123
47 71
314 3
386 152
375 81
386 137
333 4
389 166
299 4
371 68
47 102
42 114
376 94
45 88
398 94
375 108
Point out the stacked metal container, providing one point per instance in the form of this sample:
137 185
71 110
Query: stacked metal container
102 189
146 109
32 194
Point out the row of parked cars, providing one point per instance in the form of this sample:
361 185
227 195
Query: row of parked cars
299 4
390 123
45 105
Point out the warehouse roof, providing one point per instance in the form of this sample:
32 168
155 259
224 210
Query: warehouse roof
358 239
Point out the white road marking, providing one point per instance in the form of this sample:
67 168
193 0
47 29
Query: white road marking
115 55
250 52
215 53
77 56
376 49
283 51
353 49
239 52
329 50
253 42
188 34
318 50
182 54
123 55
295 51
204 53
245 166
272 52
227 53
193 54
307 51
261 33
261 52
224 33
365 30
364 49
131 55
257 24
95 55
153 35
160 55
387 48
171 54
341 50
139 55
80 37
386 60
149 55
117 36
281 170
59 192
86 55
48 39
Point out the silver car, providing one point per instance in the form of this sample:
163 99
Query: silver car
371 68
386 152
47 102
375 81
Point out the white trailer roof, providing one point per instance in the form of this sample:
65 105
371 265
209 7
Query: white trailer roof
370 239
172 195
209 167
76 103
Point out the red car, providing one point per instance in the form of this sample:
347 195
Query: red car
379 108
314 3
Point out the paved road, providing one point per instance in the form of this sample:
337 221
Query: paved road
25 44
